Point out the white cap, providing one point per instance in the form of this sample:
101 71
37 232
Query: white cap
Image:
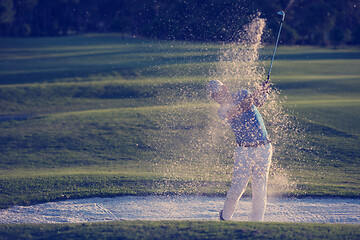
214 86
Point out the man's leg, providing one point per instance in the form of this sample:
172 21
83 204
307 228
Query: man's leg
240 179
259 181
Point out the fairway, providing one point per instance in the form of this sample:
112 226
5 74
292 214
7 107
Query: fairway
103 116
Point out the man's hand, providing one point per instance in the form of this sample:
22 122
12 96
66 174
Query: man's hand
260 95
265 87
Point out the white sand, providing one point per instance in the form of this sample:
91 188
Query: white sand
323 210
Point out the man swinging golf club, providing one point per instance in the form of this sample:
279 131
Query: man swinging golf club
253 154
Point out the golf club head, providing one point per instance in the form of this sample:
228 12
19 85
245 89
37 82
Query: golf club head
282 13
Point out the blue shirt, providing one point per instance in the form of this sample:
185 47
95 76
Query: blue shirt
249 127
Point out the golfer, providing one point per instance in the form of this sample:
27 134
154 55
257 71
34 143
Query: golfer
253 153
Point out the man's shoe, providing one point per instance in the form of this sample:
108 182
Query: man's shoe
221 217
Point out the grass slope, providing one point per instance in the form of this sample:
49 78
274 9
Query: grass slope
99 115
179 230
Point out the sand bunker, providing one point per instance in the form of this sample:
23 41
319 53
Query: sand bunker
322 210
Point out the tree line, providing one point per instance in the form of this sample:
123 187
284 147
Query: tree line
315 22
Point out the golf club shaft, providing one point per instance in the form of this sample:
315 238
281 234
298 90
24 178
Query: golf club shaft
273 56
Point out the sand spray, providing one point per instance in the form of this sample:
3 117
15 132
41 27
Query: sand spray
205 153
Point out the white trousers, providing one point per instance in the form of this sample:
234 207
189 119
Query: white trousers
249 162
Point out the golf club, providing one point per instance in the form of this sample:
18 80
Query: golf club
282 13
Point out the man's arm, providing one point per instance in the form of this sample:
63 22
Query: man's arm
256 98
242 107
260 96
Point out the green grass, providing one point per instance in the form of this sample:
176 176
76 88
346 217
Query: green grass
99 115
179 230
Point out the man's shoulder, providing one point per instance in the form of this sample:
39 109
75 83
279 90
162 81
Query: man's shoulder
245 91
241 94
